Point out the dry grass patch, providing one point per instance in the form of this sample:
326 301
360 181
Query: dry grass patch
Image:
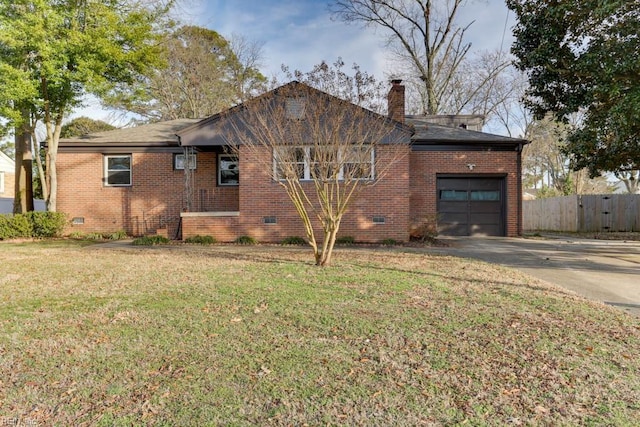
258 335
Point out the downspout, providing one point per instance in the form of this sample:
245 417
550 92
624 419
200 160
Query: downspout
519 172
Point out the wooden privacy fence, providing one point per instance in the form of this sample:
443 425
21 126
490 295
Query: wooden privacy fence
583 213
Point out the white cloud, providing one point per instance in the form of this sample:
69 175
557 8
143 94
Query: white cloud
300 33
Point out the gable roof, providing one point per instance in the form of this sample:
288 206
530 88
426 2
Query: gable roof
211 131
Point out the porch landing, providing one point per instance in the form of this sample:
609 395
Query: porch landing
224 226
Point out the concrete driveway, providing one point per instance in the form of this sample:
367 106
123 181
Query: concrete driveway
602 270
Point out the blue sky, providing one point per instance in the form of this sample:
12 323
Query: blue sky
300 34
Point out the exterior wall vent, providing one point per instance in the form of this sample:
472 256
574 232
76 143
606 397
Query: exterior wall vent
379 219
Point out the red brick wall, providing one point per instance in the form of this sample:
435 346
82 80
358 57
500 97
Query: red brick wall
155 199
223 228
407 193
425 165
261 196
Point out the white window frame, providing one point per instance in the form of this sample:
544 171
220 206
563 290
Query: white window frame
228 157
178 161
1 181
307 163
371 162
106 158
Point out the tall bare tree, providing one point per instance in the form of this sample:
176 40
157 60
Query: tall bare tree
359 88
245 74
430 49
510 116
630 179
322 150
547 166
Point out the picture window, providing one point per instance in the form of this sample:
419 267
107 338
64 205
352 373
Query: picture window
311 163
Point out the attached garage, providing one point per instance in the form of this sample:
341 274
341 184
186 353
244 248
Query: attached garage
464 182
471 206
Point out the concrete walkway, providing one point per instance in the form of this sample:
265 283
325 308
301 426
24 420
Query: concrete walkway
602 270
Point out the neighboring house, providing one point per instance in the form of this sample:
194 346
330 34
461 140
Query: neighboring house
7 175
179 178
7 183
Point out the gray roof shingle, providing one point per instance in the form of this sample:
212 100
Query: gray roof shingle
154 133
429 133
164 133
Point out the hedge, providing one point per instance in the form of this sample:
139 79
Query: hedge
32 224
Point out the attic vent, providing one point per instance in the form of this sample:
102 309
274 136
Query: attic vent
295 108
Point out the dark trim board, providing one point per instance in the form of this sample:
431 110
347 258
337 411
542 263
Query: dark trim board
471 205
459 147
118 149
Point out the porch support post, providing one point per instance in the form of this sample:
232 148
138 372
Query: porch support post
188 178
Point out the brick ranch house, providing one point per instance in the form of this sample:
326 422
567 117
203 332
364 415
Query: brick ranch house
178 178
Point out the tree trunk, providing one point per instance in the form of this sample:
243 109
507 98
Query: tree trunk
40 167
324 259
23 194
51 172
52 181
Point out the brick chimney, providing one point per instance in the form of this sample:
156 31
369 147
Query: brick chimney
395 101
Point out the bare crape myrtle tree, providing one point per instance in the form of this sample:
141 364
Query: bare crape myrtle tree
322 150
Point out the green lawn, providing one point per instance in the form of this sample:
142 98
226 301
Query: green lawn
236 335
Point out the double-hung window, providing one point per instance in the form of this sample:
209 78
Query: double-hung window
228 170
117 170
358 163
291 163
324 163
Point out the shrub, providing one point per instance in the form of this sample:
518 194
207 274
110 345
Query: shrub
294 240
425 229
245 240
389 242
150 241
94 236
201 240
345 240
32 224
46 224
15 226
116 235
